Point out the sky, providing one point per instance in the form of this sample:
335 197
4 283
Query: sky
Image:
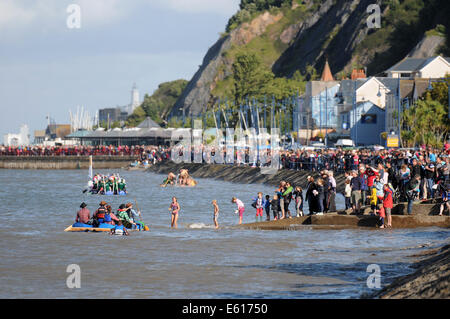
48 66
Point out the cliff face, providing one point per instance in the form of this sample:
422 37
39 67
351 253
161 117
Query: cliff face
291 38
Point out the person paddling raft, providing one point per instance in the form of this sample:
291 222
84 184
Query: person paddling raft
99 215
122 214
135 216
110 218
83 215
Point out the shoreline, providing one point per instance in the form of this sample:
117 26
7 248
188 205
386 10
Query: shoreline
423 214
429 280
65 162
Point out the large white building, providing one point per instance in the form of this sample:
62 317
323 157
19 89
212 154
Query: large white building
410 68
22 138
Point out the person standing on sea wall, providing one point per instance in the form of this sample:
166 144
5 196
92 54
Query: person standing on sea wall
356 185
240 206
388 204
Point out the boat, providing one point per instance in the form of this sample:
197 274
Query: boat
90 185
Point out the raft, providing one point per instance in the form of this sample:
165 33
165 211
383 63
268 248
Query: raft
80 227
121 193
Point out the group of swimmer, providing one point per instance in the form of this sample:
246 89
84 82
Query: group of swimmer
107 185
182 179
125 218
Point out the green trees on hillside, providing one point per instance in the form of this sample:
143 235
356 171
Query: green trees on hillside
252 79
249 7
427 120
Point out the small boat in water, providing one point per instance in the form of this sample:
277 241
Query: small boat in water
103 227
105 185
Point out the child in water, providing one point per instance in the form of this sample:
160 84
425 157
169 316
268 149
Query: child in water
175 208
216 213
240 206
267 207
259 205
275 203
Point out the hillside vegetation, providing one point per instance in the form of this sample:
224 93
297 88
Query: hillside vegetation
159 104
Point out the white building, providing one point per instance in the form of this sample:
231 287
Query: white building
22 138
135 102
433 67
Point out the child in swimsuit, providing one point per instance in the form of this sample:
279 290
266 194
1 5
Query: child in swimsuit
216 213
175 208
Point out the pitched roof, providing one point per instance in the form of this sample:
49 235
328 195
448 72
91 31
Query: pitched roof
414 64
326 74
148 123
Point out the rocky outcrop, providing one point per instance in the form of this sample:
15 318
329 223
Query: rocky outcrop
428 46
197 94
333 31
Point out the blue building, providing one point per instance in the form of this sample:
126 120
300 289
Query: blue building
370 123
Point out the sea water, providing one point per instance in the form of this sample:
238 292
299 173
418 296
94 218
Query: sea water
193 261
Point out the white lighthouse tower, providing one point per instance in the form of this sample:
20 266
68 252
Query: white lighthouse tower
134 99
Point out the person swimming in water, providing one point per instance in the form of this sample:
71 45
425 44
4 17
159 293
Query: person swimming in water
175 208
170 180
216 213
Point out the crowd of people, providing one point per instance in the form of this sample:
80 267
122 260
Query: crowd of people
107 185
126 217
76 150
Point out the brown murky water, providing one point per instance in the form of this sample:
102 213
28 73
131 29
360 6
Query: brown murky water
194 261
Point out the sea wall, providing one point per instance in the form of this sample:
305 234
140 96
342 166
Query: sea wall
429 281
342 221
242 174
64 162
249 175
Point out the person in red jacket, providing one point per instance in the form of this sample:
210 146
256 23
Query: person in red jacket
388 204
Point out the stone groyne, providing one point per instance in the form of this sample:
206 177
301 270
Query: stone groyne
423 214
64 162
243 174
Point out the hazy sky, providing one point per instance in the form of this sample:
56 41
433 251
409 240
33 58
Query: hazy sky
48 68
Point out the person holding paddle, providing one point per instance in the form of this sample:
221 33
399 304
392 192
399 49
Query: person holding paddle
135 216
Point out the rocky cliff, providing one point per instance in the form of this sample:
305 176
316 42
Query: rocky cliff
291 38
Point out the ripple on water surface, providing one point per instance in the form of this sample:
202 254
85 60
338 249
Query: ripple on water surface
193 261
